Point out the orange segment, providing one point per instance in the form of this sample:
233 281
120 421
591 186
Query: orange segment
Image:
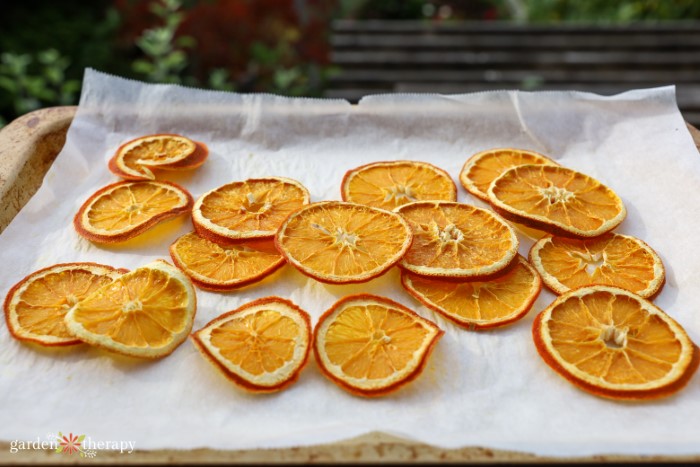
341 243
135 159
145 313
388 185
371 345
222 268
251 209
35 306
611 259
456 240
486 166
615 344
556 199
479 304
261 346
124 210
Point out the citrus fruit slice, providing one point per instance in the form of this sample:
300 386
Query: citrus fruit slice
261 346
485 166
340 243
613 343
479 304
557 200
371 345
456 240
222 268
145 313
35 306
124 210
250 209
388 185
136 159
611 259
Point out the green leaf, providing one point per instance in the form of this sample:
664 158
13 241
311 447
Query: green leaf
59 449
81 438
9 84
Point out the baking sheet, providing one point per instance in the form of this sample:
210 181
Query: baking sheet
480 389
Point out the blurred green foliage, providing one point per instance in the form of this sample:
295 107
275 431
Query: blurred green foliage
32 81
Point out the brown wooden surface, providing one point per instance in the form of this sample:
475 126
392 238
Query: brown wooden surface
451 57
28 146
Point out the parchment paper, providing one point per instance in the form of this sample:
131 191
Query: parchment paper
486 389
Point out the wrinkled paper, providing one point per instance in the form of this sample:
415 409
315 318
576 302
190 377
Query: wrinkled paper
488 389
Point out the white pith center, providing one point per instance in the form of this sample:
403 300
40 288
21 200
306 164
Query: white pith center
133 208
340 236
554 194
255 206
450 234
380 337
133 305
399 193
614 338
591 261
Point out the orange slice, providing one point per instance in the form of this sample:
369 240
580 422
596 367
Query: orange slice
35 306
136 159
479 304
124 210
343 243
251 209
456 240
556 199
615 344
145 313
261 346
485 166
223 268
611 259
388 185
372 346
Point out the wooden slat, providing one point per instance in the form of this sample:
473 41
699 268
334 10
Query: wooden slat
568 58
653 77
479 40
498 27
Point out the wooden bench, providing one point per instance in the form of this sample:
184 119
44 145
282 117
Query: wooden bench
379 56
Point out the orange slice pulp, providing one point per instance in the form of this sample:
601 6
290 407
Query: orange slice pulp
615 344
372 346
35 306
261 346
339 243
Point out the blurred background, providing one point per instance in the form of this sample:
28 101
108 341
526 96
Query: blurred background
349 48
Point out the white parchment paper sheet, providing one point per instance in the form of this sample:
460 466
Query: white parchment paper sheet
480 389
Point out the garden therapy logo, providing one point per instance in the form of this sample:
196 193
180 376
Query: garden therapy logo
72 444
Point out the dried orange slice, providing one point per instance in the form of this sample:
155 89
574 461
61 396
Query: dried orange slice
611 259
388 185
371 345
251 209
485 166
341 243
136 159
456 240
223 268
613 343
479 304
556 199
261 346
145 313
124 210
35 306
